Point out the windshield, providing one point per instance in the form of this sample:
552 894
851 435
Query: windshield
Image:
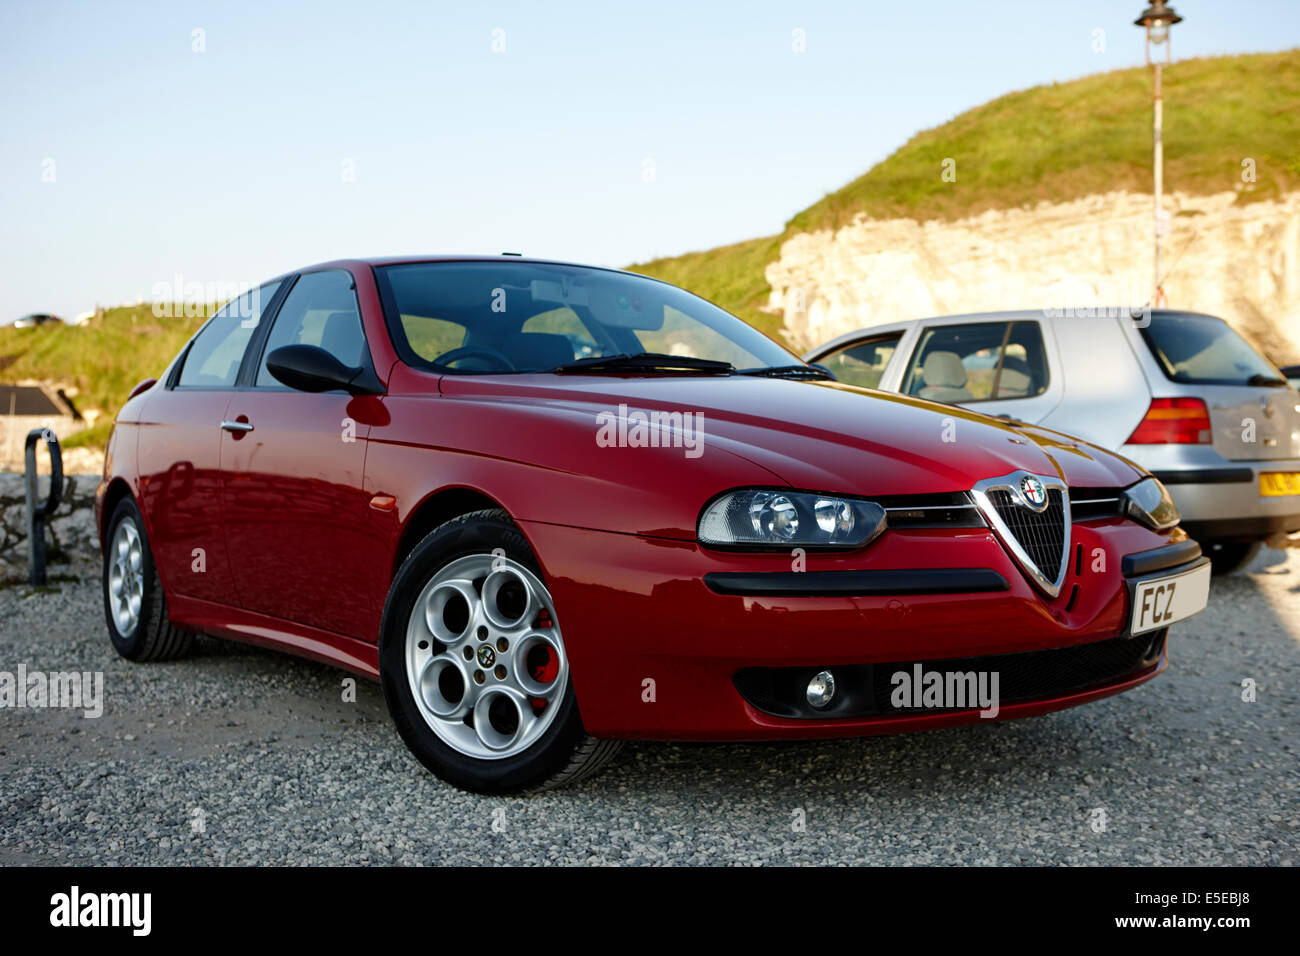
1204 350
501 317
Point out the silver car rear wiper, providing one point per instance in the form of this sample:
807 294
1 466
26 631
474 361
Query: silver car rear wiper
645 362
1261 380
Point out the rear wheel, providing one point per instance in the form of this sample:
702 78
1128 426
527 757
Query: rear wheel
1229 556
134 604
474 666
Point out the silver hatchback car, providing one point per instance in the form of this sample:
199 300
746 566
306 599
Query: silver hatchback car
1180 393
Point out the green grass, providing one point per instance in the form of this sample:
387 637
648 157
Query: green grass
103 360
730 276
1093 135
1049 143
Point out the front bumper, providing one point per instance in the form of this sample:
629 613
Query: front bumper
654 650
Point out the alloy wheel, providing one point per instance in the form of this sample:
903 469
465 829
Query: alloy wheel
126 578
484 656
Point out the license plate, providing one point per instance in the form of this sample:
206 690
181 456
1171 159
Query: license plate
1160 602
1273 484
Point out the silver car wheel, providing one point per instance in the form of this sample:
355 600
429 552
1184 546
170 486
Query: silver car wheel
484 656
126 578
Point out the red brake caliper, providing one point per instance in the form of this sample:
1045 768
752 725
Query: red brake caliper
545 671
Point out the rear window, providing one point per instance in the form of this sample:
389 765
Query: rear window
1204 350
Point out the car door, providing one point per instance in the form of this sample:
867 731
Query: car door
179 453
299 523
996 366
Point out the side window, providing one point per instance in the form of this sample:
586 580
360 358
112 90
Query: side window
863 363
321 310
983 361
213 360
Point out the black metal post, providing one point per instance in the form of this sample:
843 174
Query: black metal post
37 513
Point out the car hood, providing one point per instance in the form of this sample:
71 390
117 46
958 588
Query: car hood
822 436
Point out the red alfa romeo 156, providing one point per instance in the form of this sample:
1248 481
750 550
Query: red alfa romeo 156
553 507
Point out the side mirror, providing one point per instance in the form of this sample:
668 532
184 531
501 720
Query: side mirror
309 368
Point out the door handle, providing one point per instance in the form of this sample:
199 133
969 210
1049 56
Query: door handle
237 427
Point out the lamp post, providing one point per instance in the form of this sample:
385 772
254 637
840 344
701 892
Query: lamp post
1156 20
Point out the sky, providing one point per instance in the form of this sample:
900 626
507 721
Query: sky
149 145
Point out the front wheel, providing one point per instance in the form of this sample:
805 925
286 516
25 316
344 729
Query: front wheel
474 667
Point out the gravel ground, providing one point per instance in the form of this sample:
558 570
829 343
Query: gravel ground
241 756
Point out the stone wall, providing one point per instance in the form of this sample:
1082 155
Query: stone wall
71 541
1238 261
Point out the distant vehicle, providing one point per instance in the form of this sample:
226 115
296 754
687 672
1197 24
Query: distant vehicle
35 319
1183 395
1292 373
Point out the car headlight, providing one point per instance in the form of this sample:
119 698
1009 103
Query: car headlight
789 519
1148 502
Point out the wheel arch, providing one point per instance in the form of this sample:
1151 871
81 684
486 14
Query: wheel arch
435 509
117 489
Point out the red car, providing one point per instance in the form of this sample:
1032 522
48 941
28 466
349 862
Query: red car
553 507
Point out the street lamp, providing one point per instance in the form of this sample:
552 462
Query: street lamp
1156 20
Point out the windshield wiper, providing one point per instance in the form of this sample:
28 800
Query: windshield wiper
1265 381
645 362
811 372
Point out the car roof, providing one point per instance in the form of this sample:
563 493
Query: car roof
379 261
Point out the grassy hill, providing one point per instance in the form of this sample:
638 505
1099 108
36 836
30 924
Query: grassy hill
103 360
1052 143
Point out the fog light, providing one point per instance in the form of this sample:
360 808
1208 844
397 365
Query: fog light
821 689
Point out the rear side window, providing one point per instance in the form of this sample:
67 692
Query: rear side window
321 310
863 363
217 352
979 362
1204 350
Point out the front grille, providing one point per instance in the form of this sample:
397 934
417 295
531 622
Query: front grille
1040 534
1088 503
948 510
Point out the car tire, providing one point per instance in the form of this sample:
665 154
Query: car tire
135 607
456 747
1229 556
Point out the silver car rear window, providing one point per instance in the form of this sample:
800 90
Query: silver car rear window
1204 350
